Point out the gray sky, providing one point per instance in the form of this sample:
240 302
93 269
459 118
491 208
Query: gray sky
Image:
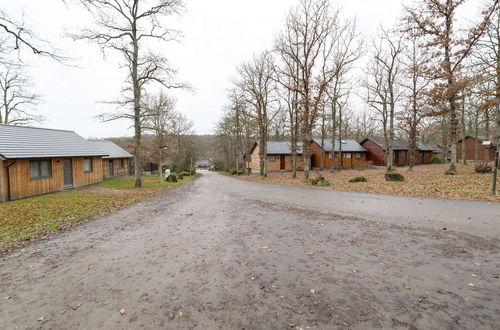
218 36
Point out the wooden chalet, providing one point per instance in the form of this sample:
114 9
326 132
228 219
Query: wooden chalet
117 162
376 152
279 156
353 154
36 161
474 149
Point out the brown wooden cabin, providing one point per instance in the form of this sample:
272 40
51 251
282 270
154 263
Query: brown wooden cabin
36 161
353 154
471 143
376 152
117 162
279 157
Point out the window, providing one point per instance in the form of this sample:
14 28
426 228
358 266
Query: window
358 155
87 164
329 155
348 155
40 169
272 158
120 163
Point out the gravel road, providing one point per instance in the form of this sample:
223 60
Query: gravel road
222 253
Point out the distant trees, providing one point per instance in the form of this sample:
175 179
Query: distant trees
17 100
124 26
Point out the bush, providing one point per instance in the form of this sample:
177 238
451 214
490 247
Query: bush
172 178
193 171
233 171
394 177
186 173
319 181
241 172
358 179
436 160
180 177
165 167
483 168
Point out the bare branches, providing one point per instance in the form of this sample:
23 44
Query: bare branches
17 101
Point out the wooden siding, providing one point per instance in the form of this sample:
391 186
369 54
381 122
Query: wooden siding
116 168
470 150
22 186
375 153
275 166
352 162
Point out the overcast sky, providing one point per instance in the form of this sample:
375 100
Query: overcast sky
218 36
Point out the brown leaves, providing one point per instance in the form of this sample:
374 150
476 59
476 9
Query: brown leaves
423 181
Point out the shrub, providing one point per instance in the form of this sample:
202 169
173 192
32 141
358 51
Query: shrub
186 173
483 168
358 179
241 172
319 181
193 171
436 160
172 178
394 177
233 171
165 167
180 177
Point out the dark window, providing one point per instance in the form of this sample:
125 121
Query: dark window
40 169
120 163
272 158
87 164
358 155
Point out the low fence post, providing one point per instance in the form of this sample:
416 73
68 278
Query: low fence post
495 170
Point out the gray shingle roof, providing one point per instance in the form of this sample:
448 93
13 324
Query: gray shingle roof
33 142
111 149
347 146
282 148
400 144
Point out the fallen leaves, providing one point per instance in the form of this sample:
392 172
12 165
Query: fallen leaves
423 181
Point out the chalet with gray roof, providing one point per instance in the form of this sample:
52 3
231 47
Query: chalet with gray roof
36 161
376 152
278 158
117 161
347 153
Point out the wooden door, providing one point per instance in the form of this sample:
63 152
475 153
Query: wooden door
111 168
282 162
68 173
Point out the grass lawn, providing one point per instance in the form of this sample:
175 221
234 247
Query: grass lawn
423 181
29 218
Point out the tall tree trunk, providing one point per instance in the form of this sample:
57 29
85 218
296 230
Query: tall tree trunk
341 158
464 160
334 119
137 111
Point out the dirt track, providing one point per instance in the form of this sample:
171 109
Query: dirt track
231 254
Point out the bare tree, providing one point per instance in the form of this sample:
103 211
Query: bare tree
258 89
382 94
17 35
17 101
415 83
307 46
159 114
436 21
123 26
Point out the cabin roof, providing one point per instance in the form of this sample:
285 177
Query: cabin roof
111 149
18 142
280 148
347 145
399 144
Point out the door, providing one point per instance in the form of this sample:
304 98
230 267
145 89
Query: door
282 162
111 168
68 173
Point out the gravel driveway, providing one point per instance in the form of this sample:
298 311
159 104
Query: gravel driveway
221 253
